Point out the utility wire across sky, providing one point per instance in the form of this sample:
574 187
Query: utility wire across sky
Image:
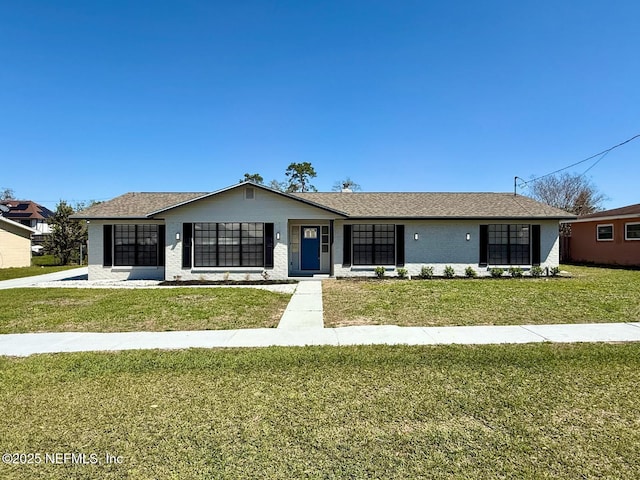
602 154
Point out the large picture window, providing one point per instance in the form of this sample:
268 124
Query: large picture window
509 244
136 245
373 244
230 244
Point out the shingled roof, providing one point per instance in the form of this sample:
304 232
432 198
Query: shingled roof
434 205
353 205
629 210
26 210
137 204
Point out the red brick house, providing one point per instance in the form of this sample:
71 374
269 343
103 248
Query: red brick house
611 237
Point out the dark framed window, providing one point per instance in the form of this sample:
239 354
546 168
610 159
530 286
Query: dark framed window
373 244
205 241
136 245
252 244
229 244
632 231
604 233
509 244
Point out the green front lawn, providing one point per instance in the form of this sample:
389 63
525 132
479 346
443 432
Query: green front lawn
591 295
122 310
456 412
39 266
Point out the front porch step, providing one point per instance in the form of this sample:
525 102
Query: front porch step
321 275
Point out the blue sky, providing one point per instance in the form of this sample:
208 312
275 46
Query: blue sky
100 98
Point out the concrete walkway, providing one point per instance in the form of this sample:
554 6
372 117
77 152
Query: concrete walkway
305 307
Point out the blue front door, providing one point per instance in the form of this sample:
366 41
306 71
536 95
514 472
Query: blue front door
310 248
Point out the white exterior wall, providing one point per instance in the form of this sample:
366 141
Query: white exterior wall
440 242
232 206
443 243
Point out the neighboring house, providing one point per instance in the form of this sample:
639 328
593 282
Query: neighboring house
611 237
247 231
30 214
15 244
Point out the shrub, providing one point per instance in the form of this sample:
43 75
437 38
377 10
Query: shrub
470 272
379 271
426 273
449 272
402 272
554 272
536 271
516 272
496 272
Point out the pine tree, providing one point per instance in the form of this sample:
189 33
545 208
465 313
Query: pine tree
66 234
299 176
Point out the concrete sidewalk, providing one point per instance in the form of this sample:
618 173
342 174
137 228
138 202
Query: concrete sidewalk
32 343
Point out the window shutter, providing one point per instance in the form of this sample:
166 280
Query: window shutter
346 248
187 235
161 244
268 245
535 244
107 245
484 245
399 245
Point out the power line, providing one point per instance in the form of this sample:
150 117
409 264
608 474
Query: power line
602 154
596 162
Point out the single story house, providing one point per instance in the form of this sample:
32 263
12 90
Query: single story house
15 244
249 231
611 237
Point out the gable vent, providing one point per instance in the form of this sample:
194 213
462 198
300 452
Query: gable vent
249 193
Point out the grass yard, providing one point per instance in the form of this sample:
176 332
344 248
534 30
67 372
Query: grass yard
39 266
591 295
525 411
123 310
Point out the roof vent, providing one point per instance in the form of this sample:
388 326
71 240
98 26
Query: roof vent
346 190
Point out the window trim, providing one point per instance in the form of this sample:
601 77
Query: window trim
509 244
266 259
394 246
626 232
110 259
598 239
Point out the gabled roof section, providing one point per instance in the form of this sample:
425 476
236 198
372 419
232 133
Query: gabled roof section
141 205
293 197
16 224
26 209
435 205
